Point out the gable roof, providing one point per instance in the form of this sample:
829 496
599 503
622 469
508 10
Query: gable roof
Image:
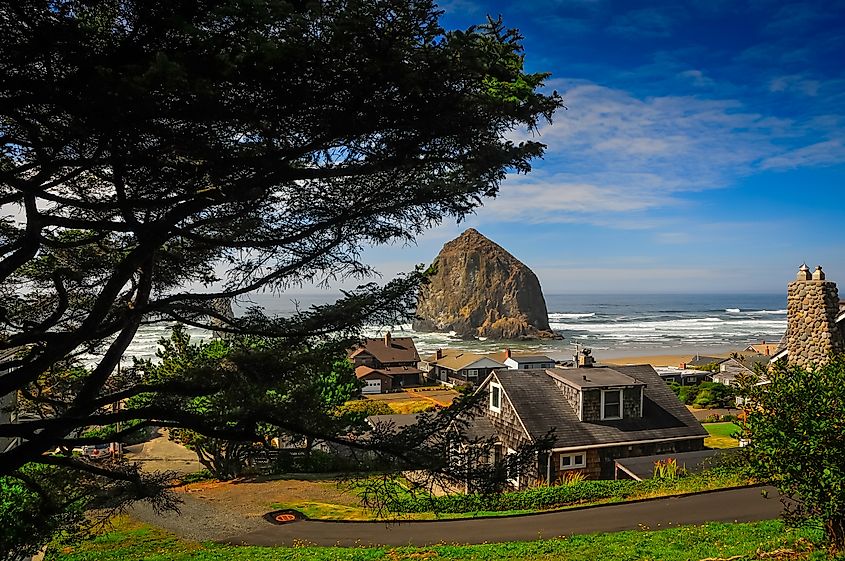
705 360
363 370
530 359
541 406
459 360
401 349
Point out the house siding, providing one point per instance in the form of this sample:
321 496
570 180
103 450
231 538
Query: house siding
507 425
610 455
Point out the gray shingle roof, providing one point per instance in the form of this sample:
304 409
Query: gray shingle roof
541 406
705 360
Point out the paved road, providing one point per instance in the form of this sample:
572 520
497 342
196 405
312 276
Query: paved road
737 505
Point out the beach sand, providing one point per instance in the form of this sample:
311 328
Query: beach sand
654 360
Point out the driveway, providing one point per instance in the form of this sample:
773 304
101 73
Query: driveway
735 505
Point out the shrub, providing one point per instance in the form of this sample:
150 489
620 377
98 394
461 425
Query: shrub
366 407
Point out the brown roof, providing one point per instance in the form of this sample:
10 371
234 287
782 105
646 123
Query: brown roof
362 371
455 359
401 349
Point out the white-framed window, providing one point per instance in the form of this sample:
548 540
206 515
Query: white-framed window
495 397
472 373
611 404
513 471
575 460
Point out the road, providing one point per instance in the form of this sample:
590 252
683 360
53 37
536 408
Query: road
735 505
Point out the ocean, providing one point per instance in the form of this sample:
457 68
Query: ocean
613 325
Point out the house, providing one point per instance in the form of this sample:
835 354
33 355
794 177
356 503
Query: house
522 361
741 364
599 414
683 376
764 348
386 364
700 361
457 367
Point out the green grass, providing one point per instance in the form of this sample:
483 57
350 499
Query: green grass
720 435
131 541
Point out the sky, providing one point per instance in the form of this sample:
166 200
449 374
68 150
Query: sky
702 148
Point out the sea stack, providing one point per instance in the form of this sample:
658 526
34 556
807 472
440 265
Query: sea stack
480 290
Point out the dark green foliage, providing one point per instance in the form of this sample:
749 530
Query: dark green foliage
539 498
306 384
39 502
796 427
148 146
706 395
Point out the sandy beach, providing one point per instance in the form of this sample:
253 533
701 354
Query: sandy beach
656 360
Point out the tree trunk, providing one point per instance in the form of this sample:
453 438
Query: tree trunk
834 528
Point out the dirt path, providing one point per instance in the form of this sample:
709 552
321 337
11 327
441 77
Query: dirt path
162 454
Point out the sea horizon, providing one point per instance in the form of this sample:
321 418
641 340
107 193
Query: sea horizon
613 325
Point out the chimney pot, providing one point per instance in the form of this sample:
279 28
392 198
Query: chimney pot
818 274
803 272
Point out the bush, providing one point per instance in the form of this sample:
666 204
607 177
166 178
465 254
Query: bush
366 407
539 498
713 394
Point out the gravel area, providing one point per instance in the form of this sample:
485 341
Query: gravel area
199 520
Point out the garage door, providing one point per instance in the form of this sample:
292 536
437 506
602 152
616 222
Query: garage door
371 386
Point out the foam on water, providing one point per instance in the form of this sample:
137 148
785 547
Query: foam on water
648 324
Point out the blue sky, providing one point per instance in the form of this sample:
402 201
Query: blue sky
703 148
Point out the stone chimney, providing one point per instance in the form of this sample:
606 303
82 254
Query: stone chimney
388 340
585 359
812 306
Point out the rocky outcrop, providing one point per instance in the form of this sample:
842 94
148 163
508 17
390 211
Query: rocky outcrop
481 290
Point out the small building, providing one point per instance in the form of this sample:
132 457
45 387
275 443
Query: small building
599 414
522 361
767 348
386 364
457 367
700 361
740 365
683 376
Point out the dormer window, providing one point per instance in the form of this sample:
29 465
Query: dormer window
495 397
611 405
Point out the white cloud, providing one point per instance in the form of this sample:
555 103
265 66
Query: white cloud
828 152
611 153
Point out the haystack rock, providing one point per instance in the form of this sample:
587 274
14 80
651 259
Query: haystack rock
481 290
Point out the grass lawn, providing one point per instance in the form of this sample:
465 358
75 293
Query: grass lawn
770 540
720 435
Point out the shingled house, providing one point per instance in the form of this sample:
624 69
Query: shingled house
386 363
598 414
456 367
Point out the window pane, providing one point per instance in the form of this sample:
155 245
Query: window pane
579 460
494 396
612 405
565 460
